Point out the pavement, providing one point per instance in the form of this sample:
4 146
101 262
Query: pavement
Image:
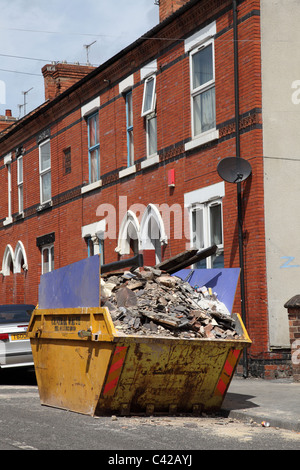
275 401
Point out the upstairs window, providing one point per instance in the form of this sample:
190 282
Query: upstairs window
94 147
151 130
149 97
45 172
129 129
149 112
203 88
9 217
7 163
20 183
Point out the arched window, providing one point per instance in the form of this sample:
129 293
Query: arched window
129 235
153 234
20 258
8 261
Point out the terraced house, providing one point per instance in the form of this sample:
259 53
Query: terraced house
122 159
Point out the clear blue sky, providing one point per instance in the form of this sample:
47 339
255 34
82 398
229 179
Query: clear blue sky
36 32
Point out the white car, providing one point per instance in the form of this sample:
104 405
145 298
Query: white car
15 348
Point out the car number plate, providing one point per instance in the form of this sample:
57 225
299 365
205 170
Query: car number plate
19 336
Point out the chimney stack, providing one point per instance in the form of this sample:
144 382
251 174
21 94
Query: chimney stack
60 77
7 120
168 7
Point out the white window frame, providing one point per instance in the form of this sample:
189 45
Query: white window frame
95 246
8 261
20 184
149 118
209 85
205 198
7 163
151 108
20 255
206 236
93 120
129 128
129 230
48 248
150 113
9 190
44 172
95 233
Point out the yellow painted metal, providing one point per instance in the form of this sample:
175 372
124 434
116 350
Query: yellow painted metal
70 369
83 364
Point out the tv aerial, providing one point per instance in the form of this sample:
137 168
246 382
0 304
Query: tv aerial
87 47
234 169
25 93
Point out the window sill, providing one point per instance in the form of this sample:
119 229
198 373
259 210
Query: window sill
44 205
150 161
91 186
8 221
19 216
204 138
127 171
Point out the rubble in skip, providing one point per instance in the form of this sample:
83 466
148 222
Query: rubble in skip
149 301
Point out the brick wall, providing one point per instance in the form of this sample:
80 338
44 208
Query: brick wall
293 311
193 169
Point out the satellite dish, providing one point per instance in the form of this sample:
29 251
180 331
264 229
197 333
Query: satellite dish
234 169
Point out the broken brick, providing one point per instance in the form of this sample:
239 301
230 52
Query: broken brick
150 302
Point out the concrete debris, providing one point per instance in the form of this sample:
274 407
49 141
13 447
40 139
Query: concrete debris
149 301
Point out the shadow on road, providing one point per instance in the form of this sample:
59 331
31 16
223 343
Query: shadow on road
237 401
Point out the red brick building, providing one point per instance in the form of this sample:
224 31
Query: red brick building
123 159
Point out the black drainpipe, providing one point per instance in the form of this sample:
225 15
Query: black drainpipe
239 194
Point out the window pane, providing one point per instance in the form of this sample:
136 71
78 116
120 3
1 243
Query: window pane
129 109
45 156
90 247
198 234
92 133
130 148
93 130
101 248
46 187
129 125
94 165
197 229
20 169
218 261
152 135
202 63
204 111
20 191
216 225
45 260
148 95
